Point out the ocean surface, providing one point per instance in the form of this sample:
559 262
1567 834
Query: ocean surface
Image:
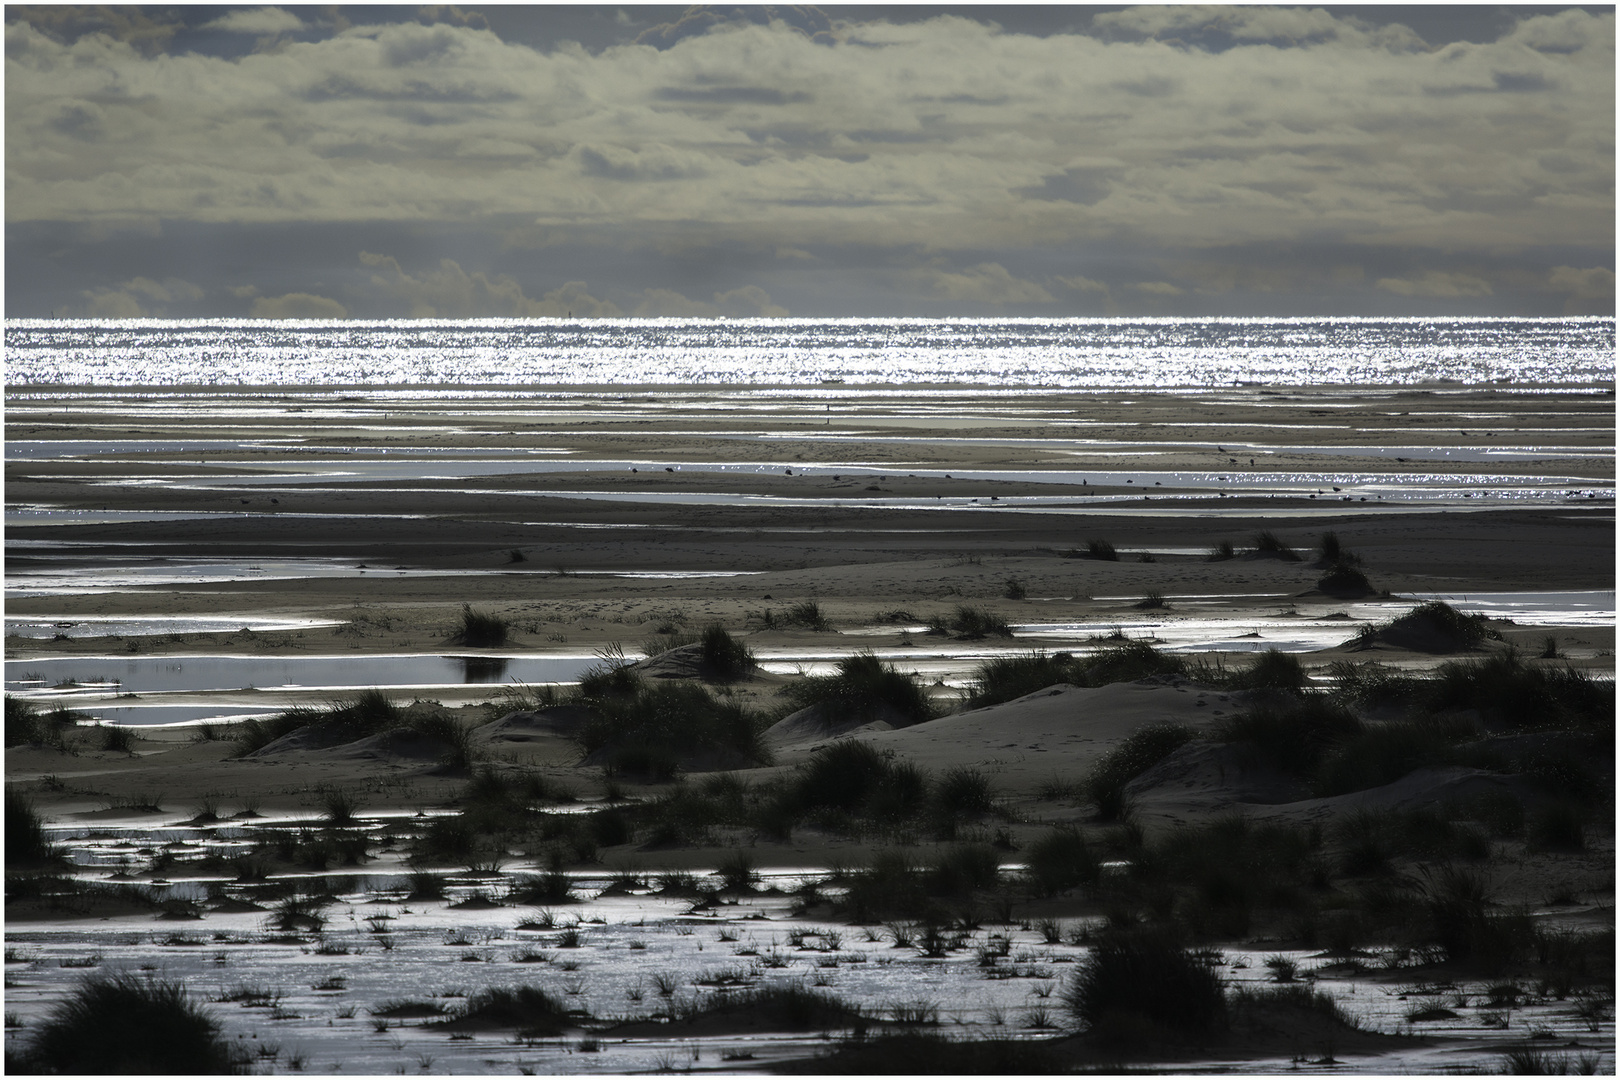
1147 354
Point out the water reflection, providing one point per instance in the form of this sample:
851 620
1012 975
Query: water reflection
482 669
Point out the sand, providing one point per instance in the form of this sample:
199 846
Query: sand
863 543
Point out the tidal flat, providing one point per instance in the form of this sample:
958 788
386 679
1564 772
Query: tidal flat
352 715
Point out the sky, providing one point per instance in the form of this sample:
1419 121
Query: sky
1030 161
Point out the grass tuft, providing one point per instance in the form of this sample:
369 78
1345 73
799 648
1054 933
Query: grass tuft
481 630
1143 749
864 686
121 1023
1145 976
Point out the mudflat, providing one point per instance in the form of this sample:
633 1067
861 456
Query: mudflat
596 527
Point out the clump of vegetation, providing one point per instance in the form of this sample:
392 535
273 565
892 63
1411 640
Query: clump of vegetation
1015 590
651 731
864 686
25 832
724 657
1131 977
1101 549
1345 581
528 1009
1432 627
370 713
1214 878
1143 749
1297 735
806 614
1510 691
119 1023
1221 552
1267 545
1125 661
1059 860
1152 600
481 630
970 623
786 1007
1004 678
1271 670
855 779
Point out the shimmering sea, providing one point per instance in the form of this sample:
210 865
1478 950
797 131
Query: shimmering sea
1103 354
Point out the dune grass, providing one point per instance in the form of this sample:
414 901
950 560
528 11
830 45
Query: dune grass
481 630
649 732
1060 859
864 686
1522 695
970 623
1004 678
25 832
118 1022
1434 626
1139 752
1148 976
1270 546
528 1009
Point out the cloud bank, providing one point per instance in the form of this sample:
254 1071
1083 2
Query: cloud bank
1185 156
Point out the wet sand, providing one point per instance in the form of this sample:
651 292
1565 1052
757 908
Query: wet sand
876 533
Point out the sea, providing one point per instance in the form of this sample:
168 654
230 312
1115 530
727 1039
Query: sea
1012 354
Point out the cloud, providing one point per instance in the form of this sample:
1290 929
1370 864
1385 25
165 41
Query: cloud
266 20
297 306
747 302
1436 283
449 292
139 297
986 283
1157 136
1156 288
1590 291
1083 284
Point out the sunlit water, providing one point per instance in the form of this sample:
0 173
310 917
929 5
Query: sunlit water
1033 353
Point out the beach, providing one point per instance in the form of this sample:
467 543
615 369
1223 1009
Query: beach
359 528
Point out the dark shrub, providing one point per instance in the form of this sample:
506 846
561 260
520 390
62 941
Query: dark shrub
1124 662
25 832
1145 748
1221 552
963 790
724 657
1434 626
1559 826
1329 550
653 729
1345 581
1146 975
1268 545
1061 859
1271 670
529 1009
22 720
1294 736
1101 549
971 623
842 776
1015 590
1224 871
117 738
1507 690
963 869
480 629
551 887
1372 683
888 887
120 1023
806 613
1383 753
1004 678
864 686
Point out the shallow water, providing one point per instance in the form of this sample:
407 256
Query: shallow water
318 990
